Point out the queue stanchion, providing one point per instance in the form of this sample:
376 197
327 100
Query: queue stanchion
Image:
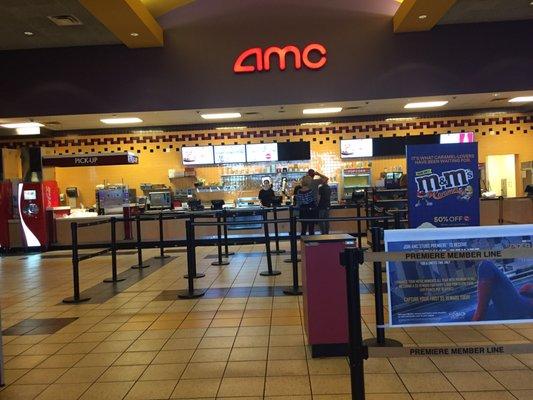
295 289
269 271
294 254
227 253
2 376
114 276
220 261
191 244
190 292
76 298
276 232
359 228
397 222
380 339
140 264
351 259
161 238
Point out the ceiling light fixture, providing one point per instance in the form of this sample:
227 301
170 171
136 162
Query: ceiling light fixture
29 33
16 125
320 123
29 130
427 104
221 115
323 110
124 120
224 128
521 99
423 16
134 34
399 119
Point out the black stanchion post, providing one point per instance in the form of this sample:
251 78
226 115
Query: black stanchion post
270 271
191 250
114 277
191 292
220 261
294 243
351 258
227 253
140 264
295 289
380 339
75 268
161 238
397 223
359 227
500 210
276 232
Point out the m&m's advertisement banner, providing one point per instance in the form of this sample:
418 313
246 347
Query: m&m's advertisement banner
443 185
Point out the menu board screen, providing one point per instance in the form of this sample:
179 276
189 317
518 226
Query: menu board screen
230 154
356 148
262 152
200 155
463 137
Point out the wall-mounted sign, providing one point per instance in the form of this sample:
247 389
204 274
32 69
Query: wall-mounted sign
313 57
90 160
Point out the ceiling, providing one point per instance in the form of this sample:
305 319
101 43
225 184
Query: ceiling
487 102
473 11
19 16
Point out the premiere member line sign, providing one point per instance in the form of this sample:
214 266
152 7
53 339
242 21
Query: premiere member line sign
461 255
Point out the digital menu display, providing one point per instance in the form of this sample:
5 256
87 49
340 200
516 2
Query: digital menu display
200 155
355 148
262 152
463 137
230 154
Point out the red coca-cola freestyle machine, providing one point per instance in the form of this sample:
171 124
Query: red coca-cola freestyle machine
33 200
6 212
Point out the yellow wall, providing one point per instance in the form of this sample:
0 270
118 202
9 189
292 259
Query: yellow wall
158 151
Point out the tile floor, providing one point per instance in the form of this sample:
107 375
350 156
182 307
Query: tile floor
142 345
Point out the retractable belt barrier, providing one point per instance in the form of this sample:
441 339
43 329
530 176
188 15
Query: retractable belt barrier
351 258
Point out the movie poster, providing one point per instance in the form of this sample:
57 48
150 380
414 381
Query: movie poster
443 185
441 292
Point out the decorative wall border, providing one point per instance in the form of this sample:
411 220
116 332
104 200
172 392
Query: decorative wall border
491 125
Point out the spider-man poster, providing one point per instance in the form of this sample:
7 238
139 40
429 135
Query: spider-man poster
443 182
455 292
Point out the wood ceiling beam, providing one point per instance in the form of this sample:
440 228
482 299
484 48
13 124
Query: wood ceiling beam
420 15
160 7
129 20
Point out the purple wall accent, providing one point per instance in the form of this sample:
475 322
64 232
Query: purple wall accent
194 70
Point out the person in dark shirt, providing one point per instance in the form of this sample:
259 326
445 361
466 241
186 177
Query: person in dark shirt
305 200
324 203
266 194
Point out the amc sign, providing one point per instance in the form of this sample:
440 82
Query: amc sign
313 57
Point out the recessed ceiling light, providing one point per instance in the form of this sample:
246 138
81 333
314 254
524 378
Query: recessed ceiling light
134 34
521 99
427 104
221 115
321 123
29 33
423 16
125 120
21 125
323 110
223 128
399 119
29 130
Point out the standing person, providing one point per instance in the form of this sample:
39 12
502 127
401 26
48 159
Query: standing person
324 203
266 194
305 199
315 182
